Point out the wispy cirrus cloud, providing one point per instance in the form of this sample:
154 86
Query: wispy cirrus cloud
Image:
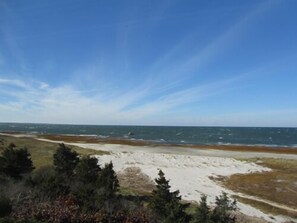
145 75
39 102
171 63
13 82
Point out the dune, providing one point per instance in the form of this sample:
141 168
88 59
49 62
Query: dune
189 172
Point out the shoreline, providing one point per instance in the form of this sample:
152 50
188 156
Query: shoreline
138 143
191 174
190 170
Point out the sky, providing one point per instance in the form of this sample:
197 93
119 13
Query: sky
150 62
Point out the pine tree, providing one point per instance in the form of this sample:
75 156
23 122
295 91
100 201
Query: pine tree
65 161
15 162
222 213
87 170
167 205
202 214
107 182
84 185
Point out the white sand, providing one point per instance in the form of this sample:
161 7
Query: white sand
187 173
187 169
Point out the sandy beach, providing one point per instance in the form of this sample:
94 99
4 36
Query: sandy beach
190 170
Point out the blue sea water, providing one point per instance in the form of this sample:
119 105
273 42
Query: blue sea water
173 135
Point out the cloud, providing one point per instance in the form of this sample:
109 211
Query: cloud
31 102
13 82
95 94
43 85
39 102
252 118
179 68
184 99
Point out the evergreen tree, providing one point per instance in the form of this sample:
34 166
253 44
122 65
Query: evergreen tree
107 182
167 205
15 162
222 212
202 214
87 170
84 186
65 160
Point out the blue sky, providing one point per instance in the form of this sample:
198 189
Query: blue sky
214 63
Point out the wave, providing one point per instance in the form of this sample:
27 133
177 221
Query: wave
237 136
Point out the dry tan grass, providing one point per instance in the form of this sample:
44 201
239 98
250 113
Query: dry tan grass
42 152
279 185
242 218
133 180
241 148
265 207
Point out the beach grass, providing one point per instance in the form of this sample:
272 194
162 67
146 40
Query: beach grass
42 152
266 208
278 185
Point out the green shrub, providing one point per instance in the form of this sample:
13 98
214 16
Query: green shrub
222 212
202 214
65 161
87 170
47 183
5 206
85 195
15 162
107 183
167 205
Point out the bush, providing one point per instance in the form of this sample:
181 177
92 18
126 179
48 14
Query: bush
87 170
65 161
66 209
84 185
107 183
202 214
5 206
42 175
165 204
47 184
222 212
15 162
85 195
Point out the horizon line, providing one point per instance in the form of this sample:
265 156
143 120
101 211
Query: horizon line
148 125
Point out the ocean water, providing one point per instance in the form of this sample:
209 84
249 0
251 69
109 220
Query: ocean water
173 135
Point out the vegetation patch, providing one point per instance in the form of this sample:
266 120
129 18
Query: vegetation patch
77 188
266 208
278 185
133 180
42 152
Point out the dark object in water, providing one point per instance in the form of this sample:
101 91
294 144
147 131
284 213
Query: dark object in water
131 134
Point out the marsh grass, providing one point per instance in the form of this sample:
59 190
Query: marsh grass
265 207
42 152
278 185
